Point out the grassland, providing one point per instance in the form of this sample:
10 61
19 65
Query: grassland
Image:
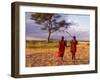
42 53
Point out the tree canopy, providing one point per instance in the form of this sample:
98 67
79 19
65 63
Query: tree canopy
51 22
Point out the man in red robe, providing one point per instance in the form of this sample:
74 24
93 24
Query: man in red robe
62 45
73 47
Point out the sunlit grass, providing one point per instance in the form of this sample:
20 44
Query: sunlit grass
42 53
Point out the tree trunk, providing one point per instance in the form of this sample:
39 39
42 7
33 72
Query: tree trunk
49 36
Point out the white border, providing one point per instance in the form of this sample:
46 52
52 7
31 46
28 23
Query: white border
68 68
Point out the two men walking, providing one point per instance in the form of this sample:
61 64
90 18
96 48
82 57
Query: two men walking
63 44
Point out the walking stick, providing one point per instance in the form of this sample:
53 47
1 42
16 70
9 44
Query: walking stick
66 32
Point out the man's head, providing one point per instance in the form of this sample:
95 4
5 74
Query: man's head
74 37
62 37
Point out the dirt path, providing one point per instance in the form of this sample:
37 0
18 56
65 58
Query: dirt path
47 57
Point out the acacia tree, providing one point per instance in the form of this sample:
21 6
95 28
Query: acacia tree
51 22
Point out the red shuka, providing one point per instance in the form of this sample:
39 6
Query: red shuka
61 48
73 46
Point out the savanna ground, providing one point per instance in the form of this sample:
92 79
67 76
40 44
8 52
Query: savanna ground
42 53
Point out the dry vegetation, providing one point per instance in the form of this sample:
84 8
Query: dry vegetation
41 53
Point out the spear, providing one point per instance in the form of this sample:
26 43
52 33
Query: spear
66 32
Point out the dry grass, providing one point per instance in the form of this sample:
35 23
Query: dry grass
46 56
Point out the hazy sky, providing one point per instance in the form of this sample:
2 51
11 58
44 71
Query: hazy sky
81 30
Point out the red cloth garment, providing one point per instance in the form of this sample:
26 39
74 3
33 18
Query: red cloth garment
73 46
61 48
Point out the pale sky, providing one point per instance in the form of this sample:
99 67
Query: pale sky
80 30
